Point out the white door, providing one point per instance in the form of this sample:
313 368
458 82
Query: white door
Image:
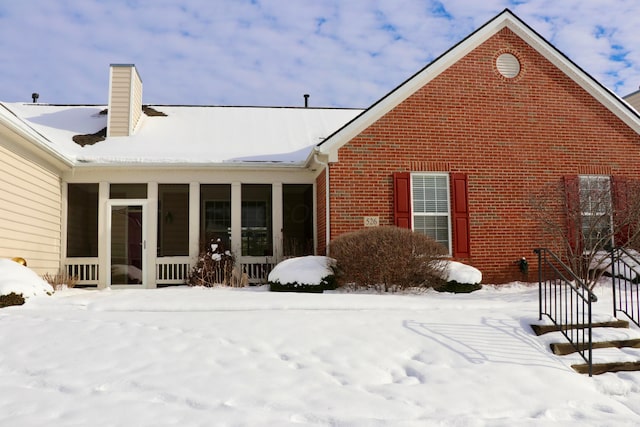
127 243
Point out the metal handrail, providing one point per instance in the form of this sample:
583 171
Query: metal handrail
625 275
566 301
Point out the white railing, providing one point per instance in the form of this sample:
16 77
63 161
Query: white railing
85 270
172 270
257 271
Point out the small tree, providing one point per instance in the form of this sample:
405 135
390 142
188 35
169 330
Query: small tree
582 218
214 267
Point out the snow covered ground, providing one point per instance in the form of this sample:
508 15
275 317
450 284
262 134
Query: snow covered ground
247 357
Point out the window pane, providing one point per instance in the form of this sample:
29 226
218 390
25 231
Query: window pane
430 194
256 220
173 220
436 227
128 191
215 214
82 220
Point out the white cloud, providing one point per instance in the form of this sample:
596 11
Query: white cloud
269 52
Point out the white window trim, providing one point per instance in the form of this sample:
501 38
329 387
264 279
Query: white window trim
413 213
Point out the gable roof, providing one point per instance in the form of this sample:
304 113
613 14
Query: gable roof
187 135
506 19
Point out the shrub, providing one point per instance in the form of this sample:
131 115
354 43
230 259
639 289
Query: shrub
327 283
214 267
459 288
11 299
60 280
389 257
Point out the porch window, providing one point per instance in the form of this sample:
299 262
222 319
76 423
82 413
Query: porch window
82 220
297 219
257 230
173 220
215 214
596 211
430 206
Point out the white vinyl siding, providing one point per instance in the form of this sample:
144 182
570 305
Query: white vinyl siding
30 212
430 206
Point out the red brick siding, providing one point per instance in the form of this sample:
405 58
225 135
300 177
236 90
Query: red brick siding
510 137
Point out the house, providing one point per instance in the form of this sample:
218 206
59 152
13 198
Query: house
126 195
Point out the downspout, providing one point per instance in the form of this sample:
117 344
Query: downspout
326 203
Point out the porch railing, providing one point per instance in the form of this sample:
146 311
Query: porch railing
172 270
169 270
625 274
257 271
566 301
85 270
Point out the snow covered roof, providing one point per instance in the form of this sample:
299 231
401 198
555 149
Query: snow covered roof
195 135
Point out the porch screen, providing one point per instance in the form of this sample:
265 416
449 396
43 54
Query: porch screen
82 220
257 232
297 219
215 214
173 220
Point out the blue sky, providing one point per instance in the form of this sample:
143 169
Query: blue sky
271 52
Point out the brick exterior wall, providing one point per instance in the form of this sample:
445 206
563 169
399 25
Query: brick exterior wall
510 136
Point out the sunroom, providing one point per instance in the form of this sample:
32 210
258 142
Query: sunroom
147 234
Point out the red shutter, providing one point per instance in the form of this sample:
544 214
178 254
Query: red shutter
402 199
572 200
460 214
619 192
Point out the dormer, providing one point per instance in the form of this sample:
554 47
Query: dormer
125 100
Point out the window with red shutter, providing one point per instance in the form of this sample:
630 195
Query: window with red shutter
402 199
621 214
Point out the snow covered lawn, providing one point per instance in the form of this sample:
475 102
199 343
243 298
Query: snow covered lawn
247 357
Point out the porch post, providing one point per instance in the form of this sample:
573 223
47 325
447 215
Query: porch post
103 198
152 234
277 222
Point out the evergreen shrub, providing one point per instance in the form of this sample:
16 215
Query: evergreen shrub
11 299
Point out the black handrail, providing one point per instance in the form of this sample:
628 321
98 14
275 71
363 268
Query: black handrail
625 274
566 300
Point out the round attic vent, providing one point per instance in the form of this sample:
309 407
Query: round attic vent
508 65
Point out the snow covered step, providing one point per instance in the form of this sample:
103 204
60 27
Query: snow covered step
543 329
601 368
565 348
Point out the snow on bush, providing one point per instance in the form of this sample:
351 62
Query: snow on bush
21 280
308 270
455 271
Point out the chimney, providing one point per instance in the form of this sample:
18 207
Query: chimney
125 99
35 97
306 100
